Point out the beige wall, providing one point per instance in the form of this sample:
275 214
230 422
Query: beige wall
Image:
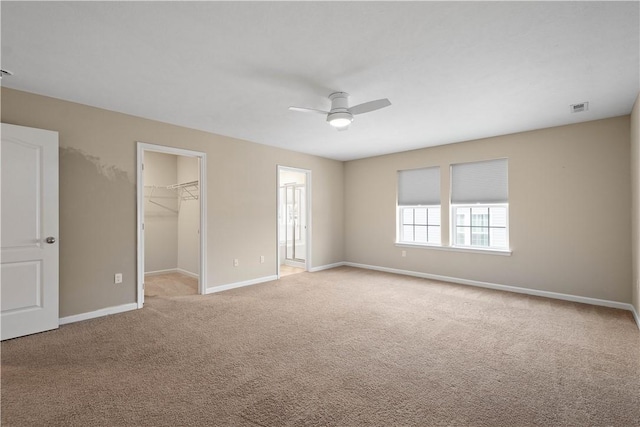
98 199
568 205
160 223
635 200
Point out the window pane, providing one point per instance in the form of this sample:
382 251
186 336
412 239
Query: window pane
498 237
463 236
479 236
434 216
407 233
463 216
498 217
407 216
420 216
420 234
480 216
434 234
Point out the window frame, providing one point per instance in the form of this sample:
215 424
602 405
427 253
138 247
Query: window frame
454 227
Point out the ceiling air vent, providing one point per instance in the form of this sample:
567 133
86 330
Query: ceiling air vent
579 108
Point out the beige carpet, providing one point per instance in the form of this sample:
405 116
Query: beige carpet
342 347
287 270
169 284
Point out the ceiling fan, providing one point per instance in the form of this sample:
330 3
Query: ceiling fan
341 115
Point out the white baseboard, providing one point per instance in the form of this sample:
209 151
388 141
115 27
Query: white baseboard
296 264
98 313
187 273
327 266
516 289
156 272
228 286
171 270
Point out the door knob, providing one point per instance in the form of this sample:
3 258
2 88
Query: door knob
50 240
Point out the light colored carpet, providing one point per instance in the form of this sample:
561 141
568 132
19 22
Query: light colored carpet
287 270
341 347
169 284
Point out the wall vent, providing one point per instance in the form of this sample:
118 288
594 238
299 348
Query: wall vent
579 108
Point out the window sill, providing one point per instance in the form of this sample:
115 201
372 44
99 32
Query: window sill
501 252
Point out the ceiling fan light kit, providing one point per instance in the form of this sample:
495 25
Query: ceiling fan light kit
340 116
339 120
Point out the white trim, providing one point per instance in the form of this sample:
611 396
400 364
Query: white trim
139 227
187 273
171 270
202 178
500 252
296 264
328 266
235 285
507 288
158 272
98 313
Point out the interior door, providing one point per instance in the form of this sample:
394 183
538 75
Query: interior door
29 266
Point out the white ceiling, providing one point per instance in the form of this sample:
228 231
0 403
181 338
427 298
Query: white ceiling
453 71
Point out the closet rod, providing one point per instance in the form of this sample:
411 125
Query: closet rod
183 185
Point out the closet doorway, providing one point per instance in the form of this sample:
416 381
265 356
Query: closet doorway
294 218
171 222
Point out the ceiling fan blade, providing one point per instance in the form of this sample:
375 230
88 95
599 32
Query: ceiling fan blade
308 110
369 106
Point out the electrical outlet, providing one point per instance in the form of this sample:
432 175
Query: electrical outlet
117 278
404 253
236 262
261 259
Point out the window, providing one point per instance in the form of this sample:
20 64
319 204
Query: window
419 206
420 224
481 226
480 205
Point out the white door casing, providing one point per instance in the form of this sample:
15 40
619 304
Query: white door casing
29 233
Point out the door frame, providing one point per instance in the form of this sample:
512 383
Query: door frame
202 273
308 204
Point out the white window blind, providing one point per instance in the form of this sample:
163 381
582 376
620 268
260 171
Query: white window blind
480 182
419 187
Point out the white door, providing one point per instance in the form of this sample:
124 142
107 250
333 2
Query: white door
29 233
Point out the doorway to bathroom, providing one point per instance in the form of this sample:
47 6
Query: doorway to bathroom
294 218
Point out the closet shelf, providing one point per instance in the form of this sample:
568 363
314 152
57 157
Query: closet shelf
181 191
186 190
